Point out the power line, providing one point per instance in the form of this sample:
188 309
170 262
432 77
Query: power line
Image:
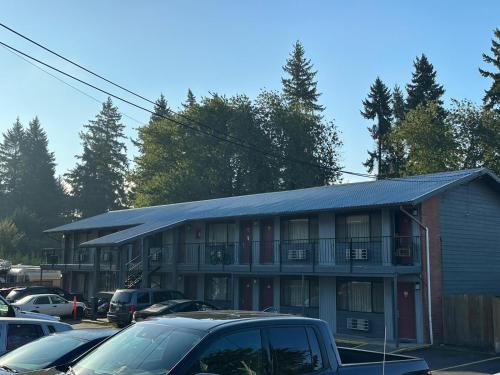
67 83
188 118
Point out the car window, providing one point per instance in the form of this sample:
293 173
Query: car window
144 348
204 307
317 359
142 297
20 334
161 296
121 297
236 354
176 295
57 300
51 328
42 301
290 351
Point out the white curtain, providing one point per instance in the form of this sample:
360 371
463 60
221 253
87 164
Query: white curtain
298 229
358 226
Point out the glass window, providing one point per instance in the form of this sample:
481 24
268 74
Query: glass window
290 351
358 226
20 334
204 307
360 296
317 359
237 354
145 348
57 300
217 288
142 297
4 308
292 294
161 296
121 297
42 301
221 232
51 329
41 353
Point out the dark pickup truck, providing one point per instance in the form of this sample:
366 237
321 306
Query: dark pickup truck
234 343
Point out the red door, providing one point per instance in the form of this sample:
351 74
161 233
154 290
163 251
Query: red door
246 293
406 307
245 241
190 286
266 295
266 241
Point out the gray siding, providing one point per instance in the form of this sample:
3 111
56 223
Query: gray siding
470 239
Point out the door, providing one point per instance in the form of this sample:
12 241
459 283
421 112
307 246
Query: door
266 295
403 239
60 306
42 305
267 241
191 286
406 307
245 241
246 291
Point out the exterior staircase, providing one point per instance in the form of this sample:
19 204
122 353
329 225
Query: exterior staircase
135 267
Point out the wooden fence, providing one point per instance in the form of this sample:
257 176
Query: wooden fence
472 320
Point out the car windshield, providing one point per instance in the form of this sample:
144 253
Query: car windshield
14 293
121 297
144 348
40 354
24 300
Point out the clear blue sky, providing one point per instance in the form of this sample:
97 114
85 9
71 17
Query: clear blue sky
232 47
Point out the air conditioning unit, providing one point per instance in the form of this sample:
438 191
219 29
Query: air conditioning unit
356 254
357 324
297 254
403 252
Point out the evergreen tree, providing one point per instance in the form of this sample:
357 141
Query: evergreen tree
491 98
41 191
398 104
299 87
98 180
423 87
11 166
190 100
161 109
378 106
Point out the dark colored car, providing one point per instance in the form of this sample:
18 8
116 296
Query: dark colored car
173 306
56 351
17 293
233 343
127 301
103 301
5 291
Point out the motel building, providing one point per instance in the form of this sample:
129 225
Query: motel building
361 256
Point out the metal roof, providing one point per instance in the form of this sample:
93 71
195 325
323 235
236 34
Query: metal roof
388 192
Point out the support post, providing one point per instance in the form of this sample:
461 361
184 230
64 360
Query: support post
145 263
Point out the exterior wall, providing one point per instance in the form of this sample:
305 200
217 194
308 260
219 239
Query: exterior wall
328 301
430 215
470 235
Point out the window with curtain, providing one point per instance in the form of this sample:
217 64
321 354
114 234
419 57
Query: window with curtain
217 288
291 292
358 226
221 232
360 296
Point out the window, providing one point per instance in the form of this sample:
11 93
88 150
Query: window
237 354
42 301
360 227
291 351
51 329
142 297
221 232
217 288
4 308
317 360
292 294
20 334
200 306
360 296
57 300
300 229
161 296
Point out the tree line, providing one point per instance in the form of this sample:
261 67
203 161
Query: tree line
280 140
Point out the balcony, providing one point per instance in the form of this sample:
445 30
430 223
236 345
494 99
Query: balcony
363 255
79 259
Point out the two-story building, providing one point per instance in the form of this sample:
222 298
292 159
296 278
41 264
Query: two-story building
354 254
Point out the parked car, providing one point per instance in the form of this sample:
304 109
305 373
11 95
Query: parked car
17 293
234 342
50 304
103 300
173 306
126 301
15 332
9 311
5 291
56 351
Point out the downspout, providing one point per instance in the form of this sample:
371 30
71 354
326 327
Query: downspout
428 267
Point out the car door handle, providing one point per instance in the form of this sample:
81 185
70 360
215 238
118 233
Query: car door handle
36 307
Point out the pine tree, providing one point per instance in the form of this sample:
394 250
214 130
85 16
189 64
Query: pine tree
423 87
190 100
300 87
41 191
378 105
161 109
398 104
11 165
491 98
97 181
